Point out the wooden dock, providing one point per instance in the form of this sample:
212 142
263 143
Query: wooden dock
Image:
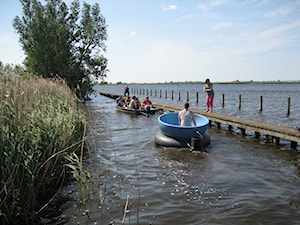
273 132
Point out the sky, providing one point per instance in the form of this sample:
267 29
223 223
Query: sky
153 41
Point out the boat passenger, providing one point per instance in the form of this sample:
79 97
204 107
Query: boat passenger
132 103
146 104
137 103
186 116
127 101
119 101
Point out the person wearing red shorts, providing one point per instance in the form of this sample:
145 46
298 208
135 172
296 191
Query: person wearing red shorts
208 88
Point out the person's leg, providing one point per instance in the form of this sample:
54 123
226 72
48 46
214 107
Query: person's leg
211 99
207 103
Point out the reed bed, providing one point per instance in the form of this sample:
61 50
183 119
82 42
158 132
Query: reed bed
42 126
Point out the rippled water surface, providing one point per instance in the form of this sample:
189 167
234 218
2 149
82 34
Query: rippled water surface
237 180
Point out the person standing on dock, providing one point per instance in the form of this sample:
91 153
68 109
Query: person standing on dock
208 88
186 116
126 91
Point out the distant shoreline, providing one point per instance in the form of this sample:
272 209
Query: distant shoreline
201 82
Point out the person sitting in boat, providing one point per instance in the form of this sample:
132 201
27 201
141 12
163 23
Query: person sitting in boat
119 101
146 104
137 103
132 103
127 101
186 116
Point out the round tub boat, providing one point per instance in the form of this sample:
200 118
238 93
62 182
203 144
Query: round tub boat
171 134
168 124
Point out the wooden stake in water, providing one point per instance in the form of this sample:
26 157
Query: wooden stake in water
288 106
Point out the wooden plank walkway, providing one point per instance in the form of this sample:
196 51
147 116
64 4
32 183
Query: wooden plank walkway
273 132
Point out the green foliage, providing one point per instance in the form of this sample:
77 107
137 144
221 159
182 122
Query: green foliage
41 124
59 42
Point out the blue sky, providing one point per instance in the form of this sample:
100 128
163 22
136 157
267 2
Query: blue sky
189 40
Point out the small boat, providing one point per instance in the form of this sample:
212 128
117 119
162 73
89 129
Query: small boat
144 112
168 124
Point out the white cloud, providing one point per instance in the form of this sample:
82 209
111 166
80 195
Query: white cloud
221 25
170 8
280 29
277 13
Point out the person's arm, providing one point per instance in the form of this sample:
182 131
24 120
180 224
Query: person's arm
193 118
179 117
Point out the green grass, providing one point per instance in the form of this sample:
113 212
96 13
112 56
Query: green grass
42 126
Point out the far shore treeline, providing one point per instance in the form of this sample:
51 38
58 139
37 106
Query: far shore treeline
201 82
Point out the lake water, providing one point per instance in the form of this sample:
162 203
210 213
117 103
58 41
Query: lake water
237 180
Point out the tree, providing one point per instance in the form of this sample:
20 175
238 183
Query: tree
59 41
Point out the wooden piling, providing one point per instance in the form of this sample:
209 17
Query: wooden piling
223 100
261 103
288 106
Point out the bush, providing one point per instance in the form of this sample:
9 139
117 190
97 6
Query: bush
42 124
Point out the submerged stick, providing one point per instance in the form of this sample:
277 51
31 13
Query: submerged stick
125 209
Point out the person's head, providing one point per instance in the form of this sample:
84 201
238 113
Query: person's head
207 81
186 105
147 97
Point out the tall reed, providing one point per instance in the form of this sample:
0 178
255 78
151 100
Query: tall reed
41 124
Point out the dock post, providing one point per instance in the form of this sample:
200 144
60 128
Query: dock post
223 100
240 101
172 95
243 131
257 134
187 96
179 97
288 106
197 97
261 104
276 140
293 144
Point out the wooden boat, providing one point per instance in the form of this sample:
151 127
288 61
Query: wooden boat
124 109
168 124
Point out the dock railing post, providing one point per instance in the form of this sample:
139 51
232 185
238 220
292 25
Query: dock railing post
223 100
261 104
288 106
